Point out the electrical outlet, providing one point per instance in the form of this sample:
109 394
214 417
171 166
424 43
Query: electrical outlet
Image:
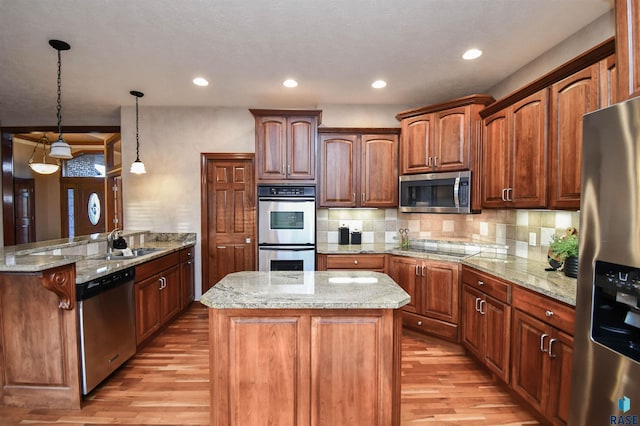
532 239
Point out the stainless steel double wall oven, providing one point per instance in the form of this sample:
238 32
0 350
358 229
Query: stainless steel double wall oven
286 228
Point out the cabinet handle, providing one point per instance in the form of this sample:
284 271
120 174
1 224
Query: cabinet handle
542 342
353 198
417 266
481 311
551 355
504 194
283 169
419 322
429 162
509 193
477 302
435 161
288 169
423 270
549 313
362 197
355 262
162 283
221 247
480 283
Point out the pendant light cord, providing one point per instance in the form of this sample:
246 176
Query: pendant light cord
137 140
59 105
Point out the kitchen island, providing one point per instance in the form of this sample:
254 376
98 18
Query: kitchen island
303 348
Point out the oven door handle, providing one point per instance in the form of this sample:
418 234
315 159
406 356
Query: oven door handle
289 200
272 248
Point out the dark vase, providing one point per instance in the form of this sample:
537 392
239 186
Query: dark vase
571 267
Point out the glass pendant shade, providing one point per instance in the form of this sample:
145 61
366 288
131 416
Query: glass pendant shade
60 149
137 167
43 168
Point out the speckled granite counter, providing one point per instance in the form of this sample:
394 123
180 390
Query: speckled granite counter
87 252
306 290
489 258
529 274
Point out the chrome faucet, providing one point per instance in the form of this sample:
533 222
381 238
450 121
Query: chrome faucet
110 238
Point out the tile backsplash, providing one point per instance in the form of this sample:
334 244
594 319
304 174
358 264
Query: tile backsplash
527 233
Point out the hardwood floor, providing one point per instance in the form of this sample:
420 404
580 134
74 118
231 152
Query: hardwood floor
166 383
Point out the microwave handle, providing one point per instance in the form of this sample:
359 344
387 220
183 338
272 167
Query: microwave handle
456 192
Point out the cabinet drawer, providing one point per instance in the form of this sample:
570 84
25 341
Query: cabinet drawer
430 326
362 261
545 309
187 254
155 266
488 284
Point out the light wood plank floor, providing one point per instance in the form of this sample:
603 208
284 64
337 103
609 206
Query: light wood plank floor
167 384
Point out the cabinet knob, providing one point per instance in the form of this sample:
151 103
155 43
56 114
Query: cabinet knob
419 322
480 283
549 313
355 262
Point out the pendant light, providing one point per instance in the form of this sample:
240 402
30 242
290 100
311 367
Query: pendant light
60 149
43 168
137 166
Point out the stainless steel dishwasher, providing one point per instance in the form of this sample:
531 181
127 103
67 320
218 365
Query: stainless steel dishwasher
106 310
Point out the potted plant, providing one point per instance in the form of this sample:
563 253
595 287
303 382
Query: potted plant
564 249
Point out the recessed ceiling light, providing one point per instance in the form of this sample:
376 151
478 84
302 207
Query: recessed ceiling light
379 84
290 83
199 81
472 54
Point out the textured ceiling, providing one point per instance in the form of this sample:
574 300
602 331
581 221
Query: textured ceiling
246 48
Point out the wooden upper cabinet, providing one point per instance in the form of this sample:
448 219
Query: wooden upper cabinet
416 146
379 171
628 48
570 99
441 137
338 170
451 144
608 81
495 159
358 168
528 152
286 144
514 154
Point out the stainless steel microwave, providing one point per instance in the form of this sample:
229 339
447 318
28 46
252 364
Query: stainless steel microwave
446 192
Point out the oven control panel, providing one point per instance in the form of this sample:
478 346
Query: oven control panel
286 191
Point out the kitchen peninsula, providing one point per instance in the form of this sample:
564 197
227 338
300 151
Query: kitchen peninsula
305 348
41 327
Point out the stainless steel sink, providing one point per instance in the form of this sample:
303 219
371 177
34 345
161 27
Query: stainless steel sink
119 255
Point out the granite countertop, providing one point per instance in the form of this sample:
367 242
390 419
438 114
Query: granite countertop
88 253
491 258
306 290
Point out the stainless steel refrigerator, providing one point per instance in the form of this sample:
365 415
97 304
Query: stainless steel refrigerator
606 359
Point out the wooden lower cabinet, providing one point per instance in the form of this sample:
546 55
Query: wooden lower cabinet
305 367
336 262
486 320
39 340
542 355
158 294
187 276
434 289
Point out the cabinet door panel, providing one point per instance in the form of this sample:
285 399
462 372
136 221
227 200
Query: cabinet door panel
403 271
528 156
529 363
147 307
170 294
451 150
571 98
495 159
473 325
608 78
379 181
416 140
338 174
628 48
498 318
271 142
441 292
560 378
301 161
